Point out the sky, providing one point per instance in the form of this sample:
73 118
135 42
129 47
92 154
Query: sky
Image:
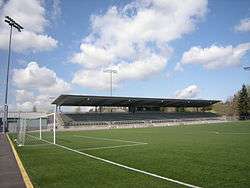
159 48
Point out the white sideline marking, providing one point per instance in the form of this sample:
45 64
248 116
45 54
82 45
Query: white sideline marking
123 166
110 139
228 132
234 133
110 147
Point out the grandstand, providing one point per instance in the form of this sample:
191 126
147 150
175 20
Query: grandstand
138 111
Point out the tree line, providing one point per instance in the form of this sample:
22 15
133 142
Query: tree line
237 105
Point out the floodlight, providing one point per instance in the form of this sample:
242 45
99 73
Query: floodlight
12 24
111 71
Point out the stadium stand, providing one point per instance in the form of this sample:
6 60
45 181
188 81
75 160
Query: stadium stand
140 111
74 119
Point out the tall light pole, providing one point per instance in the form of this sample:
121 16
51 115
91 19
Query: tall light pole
111 71
12 24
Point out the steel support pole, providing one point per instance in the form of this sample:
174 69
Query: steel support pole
5 124
54 129
110 71
111 74
40 127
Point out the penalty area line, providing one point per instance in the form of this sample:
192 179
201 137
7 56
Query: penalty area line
109 139
111 147
124 166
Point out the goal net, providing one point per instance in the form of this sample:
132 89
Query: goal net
37 131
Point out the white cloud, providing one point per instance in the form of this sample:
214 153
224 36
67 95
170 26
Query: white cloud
243 26
56 12
214 57
39 78
25 106
96 79
24 96
187 93
92 56
134 39
142 67
1 3
33 76
31 15
41 102
138 70
36 85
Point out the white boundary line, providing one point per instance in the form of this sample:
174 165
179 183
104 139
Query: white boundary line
109 139
216 132
111 147
124 166
233 133
32 145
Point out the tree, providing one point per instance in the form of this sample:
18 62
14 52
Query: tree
243 103
231 104
219 108
248 92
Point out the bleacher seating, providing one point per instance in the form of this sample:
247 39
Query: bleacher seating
91 119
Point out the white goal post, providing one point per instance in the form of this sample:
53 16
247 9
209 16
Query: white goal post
37 131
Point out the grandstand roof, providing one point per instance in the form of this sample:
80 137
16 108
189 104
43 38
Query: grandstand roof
87 100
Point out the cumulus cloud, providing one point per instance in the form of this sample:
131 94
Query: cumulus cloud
134 39
92 56
41 102
24 96
189 92
137 70
56 12
214 57
40 78
31 15
243 26
36 85
92 78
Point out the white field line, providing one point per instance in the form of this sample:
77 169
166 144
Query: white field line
124 166
216 132
234 133
32 145
109 139
110 147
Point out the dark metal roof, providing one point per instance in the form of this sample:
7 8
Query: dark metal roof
86 100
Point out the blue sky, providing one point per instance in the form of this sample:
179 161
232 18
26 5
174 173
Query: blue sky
160 48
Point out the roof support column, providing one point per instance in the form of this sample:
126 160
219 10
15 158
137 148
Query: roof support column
131 109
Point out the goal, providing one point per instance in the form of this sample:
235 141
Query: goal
37 131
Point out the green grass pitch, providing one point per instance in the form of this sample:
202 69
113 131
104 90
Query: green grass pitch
214 155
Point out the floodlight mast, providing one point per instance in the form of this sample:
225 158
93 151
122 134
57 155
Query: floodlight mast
12 24
111 71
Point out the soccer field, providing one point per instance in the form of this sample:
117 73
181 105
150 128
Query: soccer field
214 155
